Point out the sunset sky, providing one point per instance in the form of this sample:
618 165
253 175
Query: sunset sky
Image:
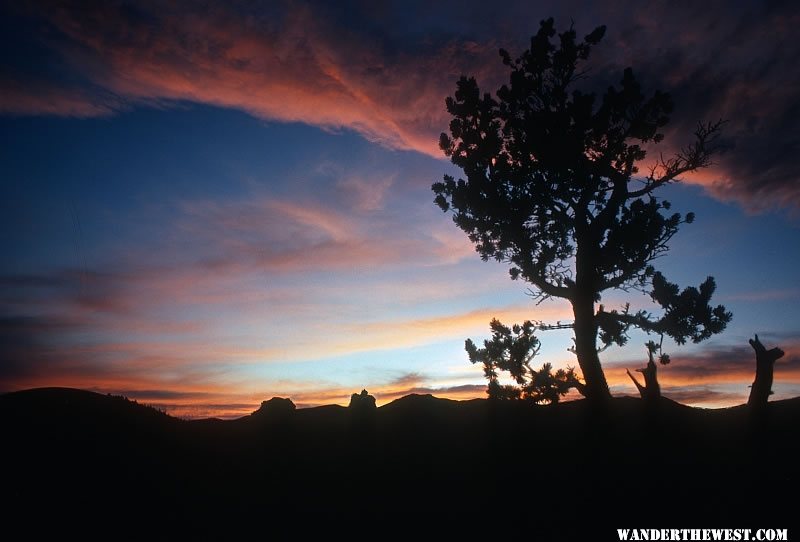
204 207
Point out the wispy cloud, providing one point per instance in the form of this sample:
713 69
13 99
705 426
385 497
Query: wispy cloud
289 67
31 97
282 235
367 194
397 333
764 295
291 64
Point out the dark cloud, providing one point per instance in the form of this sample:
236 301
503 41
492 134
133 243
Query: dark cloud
733 62
89 290
733 363
32 281
408 379
717 366
162 395
25 344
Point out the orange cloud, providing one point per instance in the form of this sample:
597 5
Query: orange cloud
406 333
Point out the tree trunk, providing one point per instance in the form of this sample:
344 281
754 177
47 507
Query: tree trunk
596 388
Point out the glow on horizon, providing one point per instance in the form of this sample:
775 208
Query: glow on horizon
205 227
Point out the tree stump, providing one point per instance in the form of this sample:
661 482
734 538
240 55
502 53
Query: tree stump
651 391
765 364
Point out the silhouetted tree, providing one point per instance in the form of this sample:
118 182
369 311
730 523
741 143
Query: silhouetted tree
553 188
511 350
765 364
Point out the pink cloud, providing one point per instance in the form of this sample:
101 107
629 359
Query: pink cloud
368 195
297 66
280 235
299 70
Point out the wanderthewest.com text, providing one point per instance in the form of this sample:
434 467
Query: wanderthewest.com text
702 534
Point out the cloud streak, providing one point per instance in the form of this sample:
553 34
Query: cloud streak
177 382
286 236
292 67
297 62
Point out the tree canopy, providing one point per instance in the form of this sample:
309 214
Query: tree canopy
554 188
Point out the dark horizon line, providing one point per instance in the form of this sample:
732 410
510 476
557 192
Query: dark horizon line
407 396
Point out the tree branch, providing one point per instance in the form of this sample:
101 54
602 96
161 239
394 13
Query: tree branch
690 158
551 290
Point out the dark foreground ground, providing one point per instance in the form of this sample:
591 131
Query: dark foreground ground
420 467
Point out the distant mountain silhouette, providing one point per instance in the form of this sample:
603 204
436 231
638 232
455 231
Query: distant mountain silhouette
415 402
422 467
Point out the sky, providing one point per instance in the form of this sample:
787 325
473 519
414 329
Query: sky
209 204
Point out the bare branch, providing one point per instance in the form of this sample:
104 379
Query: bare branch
690 158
